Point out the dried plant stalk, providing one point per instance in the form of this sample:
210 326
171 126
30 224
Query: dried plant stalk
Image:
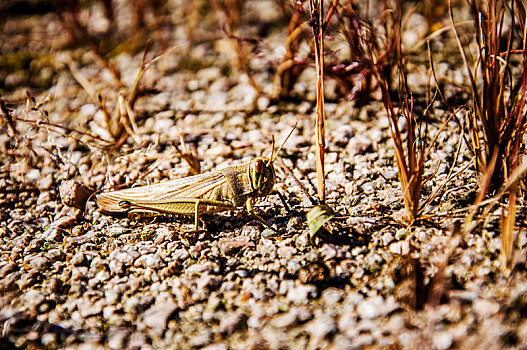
290 67
498 124
231 10
188 156
507 230
410 162
6 112
376 58
289 70
122 122
317 11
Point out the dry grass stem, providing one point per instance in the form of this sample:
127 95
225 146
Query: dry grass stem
317 11
122 122
57 128
498 122
289 68
410 162
231 12
188 156
6 112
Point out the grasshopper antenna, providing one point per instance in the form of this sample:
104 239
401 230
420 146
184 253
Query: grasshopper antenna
272 149
273 157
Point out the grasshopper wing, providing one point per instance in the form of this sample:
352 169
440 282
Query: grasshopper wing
176 196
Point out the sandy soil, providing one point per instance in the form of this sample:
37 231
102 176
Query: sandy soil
72 278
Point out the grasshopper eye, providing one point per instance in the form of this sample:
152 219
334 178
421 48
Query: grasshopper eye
258 167
258 174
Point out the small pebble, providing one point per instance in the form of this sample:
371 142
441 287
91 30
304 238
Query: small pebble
302 294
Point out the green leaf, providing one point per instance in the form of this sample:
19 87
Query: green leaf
318 217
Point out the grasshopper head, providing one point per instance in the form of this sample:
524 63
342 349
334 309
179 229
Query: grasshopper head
262 171
262 176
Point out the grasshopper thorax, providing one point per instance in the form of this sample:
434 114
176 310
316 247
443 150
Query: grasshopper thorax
262 176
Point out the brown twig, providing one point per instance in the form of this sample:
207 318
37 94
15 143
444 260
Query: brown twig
297 182
188 156
65 128
6 112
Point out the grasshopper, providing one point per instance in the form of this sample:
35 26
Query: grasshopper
212 192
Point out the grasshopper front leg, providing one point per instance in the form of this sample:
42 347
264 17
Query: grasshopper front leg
250 210
196 211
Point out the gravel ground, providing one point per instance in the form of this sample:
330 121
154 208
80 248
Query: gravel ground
72 278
